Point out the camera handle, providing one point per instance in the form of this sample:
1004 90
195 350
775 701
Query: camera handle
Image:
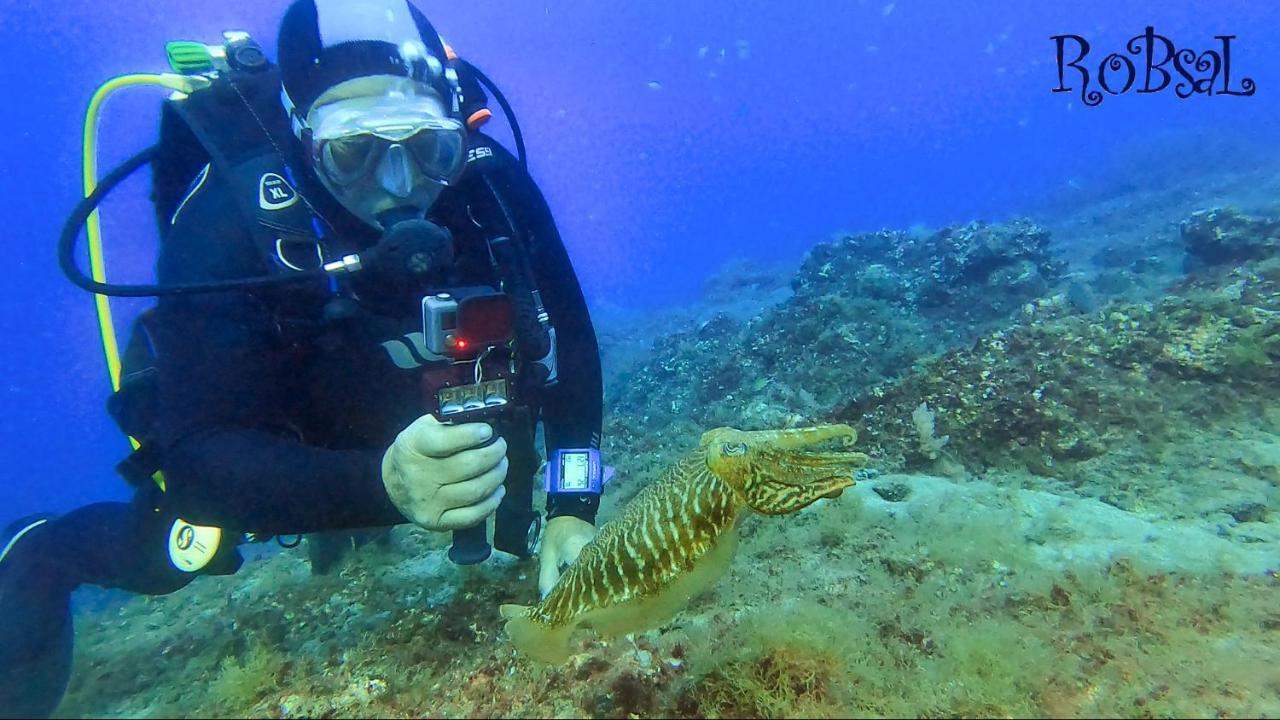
516 525
471 544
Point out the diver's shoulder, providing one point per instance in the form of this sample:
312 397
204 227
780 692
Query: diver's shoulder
208 199
486 153
207 237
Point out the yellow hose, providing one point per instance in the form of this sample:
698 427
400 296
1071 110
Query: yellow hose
97 264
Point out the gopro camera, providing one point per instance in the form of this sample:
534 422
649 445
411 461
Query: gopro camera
461 325
575 470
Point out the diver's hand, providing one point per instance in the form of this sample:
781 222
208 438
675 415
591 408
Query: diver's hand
437 477
562 541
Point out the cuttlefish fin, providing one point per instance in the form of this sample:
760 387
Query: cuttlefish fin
542 642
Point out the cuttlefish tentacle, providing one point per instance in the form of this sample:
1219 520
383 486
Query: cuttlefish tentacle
677 536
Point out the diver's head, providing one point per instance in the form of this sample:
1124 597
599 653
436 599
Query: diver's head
372 97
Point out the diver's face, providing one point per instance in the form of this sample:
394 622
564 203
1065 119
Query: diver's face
385 144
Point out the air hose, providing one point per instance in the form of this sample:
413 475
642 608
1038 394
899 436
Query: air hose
97 264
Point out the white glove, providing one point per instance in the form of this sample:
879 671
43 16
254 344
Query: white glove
437 477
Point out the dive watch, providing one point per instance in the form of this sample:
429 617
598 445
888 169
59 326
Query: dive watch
575 471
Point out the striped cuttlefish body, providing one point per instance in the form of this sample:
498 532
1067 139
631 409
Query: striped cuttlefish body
677 536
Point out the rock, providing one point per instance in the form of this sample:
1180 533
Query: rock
1022 278
878 281
1224 236
1058 388
1080 297
1247 511
892 491
978 269
1063 533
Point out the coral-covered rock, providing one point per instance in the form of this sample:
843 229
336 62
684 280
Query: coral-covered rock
977 270
865 309
1059 387
1223 235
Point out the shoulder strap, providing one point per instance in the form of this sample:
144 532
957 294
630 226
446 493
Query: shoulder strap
243 131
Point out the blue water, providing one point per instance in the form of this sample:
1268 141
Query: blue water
668 136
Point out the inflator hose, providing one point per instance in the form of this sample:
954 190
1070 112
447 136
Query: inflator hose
80 215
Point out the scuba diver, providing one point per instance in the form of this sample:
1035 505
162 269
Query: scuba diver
364 310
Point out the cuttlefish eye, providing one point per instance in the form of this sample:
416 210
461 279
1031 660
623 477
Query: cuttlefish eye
735 449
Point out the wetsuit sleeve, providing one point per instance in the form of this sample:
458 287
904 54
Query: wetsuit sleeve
573 409
227 392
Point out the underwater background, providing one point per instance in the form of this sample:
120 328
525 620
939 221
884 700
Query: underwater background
1056 328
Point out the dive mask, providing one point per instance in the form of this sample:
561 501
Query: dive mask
393 149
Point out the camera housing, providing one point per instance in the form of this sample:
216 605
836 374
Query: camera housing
474 328
461 325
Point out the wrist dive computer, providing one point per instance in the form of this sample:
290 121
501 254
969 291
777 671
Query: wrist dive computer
575 471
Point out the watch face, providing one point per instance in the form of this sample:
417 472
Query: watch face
575 473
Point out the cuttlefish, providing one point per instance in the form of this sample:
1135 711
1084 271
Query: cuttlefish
677 537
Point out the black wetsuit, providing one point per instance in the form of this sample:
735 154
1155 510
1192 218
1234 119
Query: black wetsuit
273 420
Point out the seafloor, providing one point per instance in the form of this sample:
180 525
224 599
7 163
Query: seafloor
1072 509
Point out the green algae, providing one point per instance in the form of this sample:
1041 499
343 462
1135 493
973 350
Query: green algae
958 633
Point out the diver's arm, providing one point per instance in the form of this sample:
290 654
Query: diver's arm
572 410
227 390
264 483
